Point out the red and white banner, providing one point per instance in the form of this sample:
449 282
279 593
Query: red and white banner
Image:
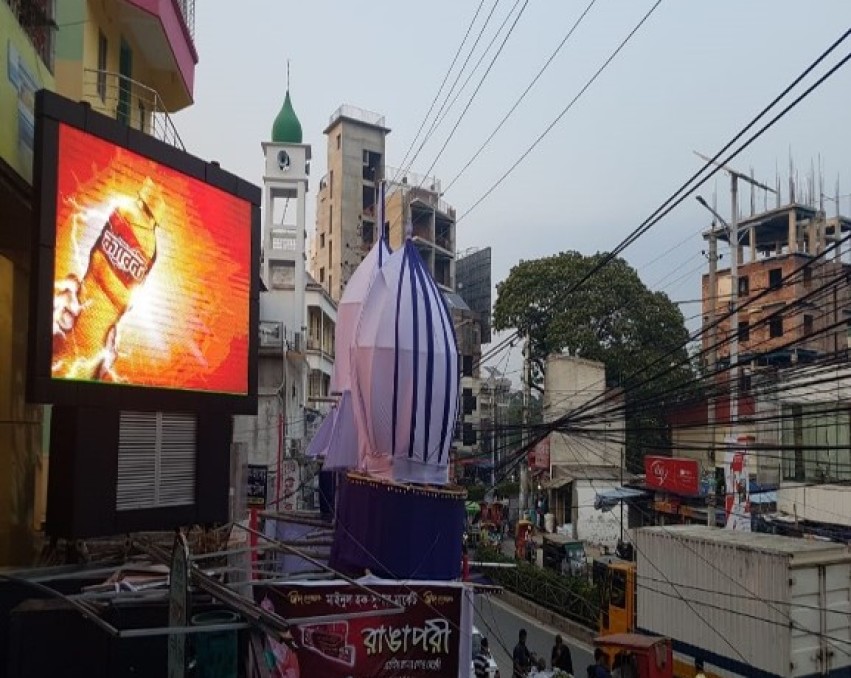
340 631
737 497
677 475
539 456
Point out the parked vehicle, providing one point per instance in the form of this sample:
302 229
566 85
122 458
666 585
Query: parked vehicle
642 656
564 555
745 603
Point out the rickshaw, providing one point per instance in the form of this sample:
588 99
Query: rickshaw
489 533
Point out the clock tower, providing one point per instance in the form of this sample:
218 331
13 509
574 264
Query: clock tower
285 185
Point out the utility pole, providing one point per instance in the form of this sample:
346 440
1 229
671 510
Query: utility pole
524 464
712 237
733 237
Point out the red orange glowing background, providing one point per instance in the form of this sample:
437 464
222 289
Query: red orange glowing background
188 322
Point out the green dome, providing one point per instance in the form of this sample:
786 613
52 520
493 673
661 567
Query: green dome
286 129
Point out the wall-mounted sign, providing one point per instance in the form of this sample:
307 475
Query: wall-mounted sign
257 480
677 475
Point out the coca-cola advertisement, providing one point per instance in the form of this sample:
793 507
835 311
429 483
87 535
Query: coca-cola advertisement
677 475
152 273
349 630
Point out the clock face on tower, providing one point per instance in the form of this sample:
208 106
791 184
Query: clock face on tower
283 161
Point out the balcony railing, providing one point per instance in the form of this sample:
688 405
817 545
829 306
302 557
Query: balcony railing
359 114
315 344
132 102
187 11
36 19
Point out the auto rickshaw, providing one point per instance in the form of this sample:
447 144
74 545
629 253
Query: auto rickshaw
643 656
523 528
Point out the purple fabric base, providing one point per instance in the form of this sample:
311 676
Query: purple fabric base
395 533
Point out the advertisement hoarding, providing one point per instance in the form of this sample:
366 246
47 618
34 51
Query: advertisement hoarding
737 499
147 264
257 486
539 457
357 639
677 475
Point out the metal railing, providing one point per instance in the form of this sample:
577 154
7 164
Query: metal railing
359 114
36 18
573 597
132 102
187 11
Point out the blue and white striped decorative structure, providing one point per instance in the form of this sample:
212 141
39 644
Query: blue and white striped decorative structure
404 366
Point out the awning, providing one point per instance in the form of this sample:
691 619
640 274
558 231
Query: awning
769 497
606 501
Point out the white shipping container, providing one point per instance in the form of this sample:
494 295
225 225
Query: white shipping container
753 604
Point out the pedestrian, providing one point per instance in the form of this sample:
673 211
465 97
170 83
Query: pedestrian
600 667
482 660
560 657
698 667
521 657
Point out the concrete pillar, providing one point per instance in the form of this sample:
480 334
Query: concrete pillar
793 231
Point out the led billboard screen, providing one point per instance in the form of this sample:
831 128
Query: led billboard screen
151 270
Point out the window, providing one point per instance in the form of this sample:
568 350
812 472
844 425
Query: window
322 275
775 278
330 284
775 326
330 253
103 46
339 140
367 232
808 325
744 331
744 285
467 365
808 275
156 460
321 240
331 184
469 435
330 219
815 443
468 400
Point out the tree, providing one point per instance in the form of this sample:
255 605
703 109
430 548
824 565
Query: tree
613 318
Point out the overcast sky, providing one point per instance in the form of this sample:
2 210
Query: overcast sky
691 77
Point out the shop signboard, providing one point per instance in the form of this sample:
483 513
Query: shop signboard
677 475
360 638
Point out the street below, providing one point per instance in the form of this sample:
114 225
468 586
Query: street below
500 624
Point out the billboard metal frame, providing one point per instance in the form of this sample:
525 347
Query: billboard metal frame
52 111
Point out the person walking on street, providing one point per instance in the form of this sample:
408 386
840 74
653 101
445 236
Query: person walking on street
521 657
560 657
600 667
482 660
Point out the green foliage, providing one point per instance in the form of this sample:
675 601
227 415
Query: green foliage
573 597
476 492
612 318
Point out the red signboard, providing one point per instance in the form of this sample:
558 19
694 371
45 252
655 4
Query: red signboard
539 457
677 475
424 641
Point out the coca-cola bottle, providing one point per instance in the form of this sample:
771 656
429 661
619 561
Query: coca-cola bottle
87 310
